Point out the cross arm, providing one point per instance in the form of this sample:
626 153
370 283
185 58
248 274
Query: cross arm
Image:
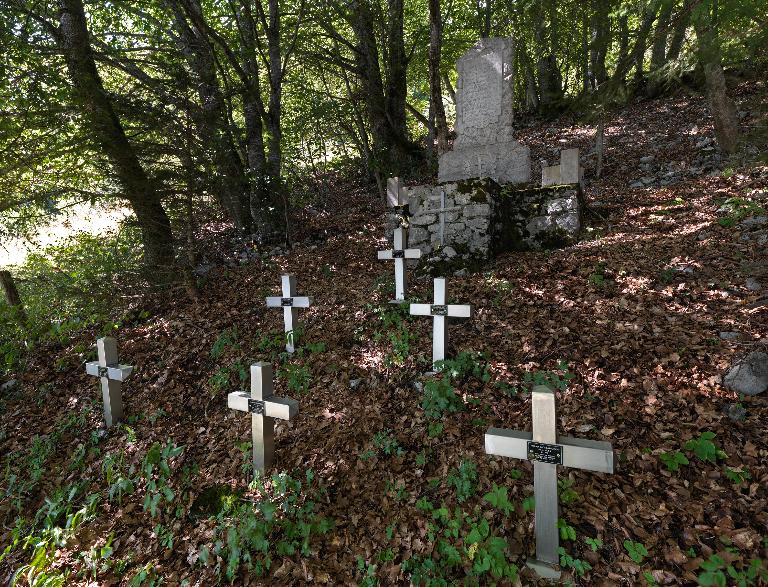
274 407
578 453
406 254
298 302
421 309
456 311
114 372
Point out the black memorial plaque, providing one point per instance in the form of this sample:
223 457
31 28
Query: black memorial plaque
103 371
545 453
398 254
439 310
255 406
286 302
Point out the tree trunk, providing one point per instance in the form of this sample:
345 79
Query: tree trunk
709 55
550 82
12 297
659 51
435 90
231 185
599 43
96 106
680 27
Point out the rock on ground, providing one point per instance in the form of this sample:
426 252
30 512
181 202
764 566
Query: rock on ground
750 375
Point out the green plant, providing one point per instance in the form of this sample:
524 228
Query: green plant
579 567
435 429
164 536
553 379
156 471
146 576
400 338
119 481
227 340
594 544
565 491
281 524
465 365
506 388
464 479
298 378
497 497
367 572
650 580
438 398
97 559
387 443
566 532
636 551
704 447
716 572
737 209
737 476
673 460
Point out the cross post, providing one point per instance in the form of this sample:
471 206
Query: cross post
290 303
264 407
112 375
547 450
440 311
400 254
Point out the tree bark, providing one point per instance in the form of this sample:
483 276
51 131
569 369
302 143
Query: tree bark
97 108
659 51
12 297
435 89
550 81
709 55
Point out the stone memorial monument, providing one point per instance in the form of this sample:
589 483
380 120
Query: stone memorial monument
485 144
483 203
569 171
440 312
547 451
112 375
290 303
400 254
264 407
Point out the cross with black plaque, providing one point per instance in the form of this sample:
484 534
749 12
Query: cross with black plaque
289 302
547 451
440 311
264 408
400 254
112 375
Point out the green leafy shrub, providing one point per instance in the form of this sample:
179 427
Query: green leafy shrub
464 479
673 460
439 397
465 365
704 447
636 551
156 471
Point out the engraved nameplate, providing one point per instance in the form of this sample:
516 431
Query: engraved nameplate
103 371
286 302
255 406
545 453
398 254
439 310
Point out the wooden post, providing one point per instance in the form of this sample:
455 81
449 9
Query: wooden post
12 296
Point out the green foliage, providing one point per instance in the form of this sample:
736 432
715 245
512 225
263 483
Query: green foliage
565 491
566 532
281 523
367 573
439 397
597 277
673 460
704 447
464 479
226 341
386 442
553 379
54 524
636 551
297 377
737 476
650 580
579 567
146 576
465 365
497 497
119 481
718 573
737 209
156 471
594 544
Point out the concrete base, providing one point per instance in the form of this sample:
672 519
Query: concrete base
505 163
544 570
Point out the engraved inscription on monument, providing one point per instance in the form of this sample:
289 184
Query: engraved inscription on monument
481 91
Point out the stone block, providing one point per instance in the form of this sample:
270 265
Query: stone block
550 176
423 219
474 210
561 205
507 162
570 166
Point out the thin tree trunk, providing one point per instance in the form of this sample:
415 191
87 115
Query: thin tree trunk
12 297
721 105
435 90
98 110
680 26
659 51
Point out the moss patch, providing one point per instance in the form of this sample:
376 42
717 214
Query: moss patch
214 500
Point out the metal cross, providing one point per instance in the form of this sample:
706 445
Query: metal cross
289 303
264 408
547 450
440 311
400 254
112 376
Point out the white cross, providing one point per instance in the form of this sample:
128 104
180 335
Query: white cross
400 254
112 376
264 408
547 450
289 303
439 312
441 214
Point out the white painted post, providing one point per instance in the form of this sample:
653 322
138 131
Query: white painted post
290 303
547 450
439 311
112 375
400 254
264 408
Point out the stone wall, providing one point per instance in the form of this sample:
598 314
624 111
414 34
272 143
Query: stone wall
482 218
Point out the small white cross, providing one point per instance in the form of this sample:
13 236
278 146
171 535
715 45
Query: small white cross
289 302
112 376
264 408
439 311
547 450
400 254
441 214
